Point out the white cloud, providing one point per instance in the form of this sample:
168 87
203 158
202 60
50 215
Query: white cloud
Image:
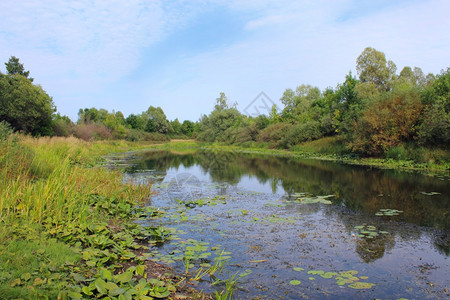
78 48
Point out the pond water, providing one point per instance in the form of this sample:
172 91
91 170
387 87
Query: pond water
300 228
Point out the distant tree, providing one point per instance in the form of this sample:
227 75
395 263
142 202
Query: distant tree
62 125
176 126
135 122
221 119
221 102
187 128
372 67
14 67
298 102
26 107
161 124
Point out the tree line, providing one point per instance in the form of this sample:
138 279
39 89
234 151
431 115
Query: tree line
379 112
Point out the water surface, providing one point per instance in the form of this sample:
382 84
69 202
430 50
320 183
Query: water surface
323 224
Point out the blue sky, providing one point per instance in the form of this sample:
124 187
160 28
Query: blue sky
128 55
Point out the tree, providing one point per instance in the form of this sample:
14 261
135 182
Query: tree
187 128
13 67
373 67
135 122
157 115
176 126
27 107
298 102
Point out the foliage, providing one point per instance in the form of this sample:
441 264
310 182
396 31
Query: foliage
25 106
62 125
14 67
159 122
372 67
387 122
222 119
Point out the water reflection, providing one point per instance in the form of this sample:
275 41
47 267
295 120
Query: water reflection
321 236
358 188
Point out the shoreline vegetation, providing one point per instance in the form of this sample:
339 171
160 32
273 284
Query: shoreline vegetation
67 224
68 227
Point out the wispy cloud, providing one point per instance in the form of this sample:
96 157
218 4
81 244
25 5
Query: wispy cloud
84 51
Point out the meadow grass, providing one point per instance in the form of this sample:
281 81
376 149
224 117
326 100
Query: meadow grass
46 183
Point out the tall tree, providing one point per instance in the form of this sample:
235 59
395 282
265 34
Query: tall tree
14 67
27 107
372 67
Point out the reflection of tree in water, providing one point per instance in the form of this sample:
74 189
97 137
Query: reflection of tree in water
372 249
357 188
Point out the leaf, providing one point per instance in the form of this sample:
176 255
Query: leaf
361 285
15 282
74 295
298 269
78 277
295 282
100 284
316 272
124 277
25 276
87 290
140 269
105 274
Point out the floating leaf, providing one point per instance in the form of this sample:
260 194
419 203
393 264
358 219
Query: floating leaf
316 272
294 282
361 285
298 269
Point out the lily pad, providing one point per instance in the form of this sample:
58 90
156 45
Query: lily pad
295 282
361 285
298 269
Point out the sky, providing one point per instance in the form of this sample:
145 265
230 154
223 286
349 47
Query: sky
180 55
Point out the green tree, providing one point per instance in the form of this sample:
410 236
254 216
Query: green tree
372 67
176 126
161 124
187 128
219 124
25 106
135 122
14 67
298 102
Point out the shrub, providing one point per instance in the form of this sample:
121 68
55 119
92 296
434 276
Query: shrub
387 122
90 132
5 130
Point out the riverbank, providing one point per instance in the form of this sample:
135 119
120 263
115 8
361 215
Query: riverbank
431 162
68 227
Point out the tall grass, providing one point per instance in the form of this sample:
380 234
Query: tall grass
49 179
46 183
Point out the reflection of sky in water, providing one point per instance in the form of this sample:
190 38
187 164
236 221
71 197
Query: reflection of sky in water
320 237
251 183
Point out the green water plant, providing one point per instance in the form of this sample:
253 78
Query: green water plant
389 212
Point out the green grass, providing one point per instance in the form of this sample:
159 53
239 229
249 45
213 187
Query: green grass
426 160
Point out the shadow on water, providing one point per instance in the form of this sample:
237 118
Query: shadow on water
357 230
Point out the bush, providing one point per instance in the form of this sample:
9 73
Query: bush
301 133
387 122
91 132
274 133
5 130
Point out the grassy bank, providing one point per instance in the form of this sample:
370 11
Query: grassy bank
406 157
67 228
